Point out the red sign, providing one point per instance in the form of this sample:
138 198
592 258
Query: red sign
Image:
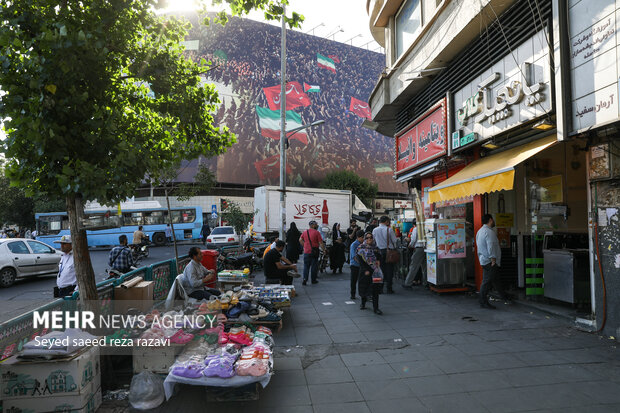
425 139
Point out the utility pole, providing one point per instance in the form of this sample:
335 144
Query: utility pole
283 127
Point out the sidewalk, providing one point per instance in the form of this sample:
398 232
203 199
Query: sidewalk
426 353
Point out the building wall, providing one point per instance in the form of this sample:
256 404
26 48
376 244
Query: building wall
606 207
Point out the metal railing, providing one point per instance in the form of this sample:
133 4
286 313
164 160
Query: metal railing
18 331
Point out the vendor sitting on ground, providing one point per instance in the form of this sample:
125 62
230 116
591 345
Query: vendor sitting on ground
278 269
196 276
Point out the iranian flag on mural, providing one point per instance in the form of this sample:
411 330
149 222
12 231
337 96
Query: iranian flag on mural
295 96
383 169
269 122
311 88
270 167
334 57
325 62
360 108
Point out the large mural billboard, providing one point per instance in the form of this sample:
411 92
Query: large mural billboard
327 81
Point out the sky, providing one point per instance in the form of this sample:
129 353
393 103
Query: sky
326 14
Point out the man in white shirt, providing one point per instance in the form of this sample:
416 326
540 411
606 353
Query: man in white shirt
66 281
385 237
490 257
418 260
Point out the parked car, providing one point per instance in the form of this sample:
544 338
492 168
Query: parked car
21 257
222 236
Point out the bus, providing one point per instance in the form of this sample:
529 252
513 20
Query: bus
104 225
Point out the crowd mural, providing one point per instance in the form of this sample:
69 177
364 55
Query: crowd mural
327 81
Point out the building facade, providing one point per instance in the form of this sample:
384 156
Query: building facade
510 108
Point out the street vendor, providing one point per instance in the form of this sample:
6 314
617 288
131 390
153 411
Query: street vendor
196 277
278 269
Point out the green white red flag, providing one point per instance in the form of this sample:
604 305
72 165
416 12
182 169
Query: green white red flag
326 62
269 122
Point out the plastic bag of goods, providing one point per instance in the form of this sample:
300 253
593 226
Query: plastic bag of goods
146 391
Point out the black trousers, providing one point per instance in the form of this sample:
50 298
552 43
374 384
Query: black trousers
375 296
204 294
387 269
490 277
355 272
64 291
280 277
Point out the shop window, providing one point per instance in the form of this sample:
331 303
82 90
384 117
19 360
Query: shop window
408 24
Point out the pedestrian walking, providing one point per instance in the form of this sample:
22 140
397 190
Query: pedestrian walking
168 234
66 281
418 261
490 258
385 238
311 242
293 248
367 255
350 238
355 266
205 231
336 253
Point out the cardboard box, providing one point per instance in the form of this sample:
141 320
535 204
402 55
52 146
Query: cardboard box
137 295
84 403
73 376
155 359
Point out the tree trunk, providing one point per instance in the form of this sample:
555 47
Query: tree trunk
81 256
174 237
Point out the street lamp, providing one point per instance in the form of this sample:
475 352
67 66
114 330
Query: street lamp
283 148
314 28
354 37
337 30
291 132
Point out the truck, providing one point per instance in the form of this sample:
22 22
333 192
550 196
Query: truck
325 206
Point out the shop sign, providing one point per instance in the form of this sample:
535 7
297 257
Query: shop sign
402 204
593 30
504 220
459 141
514 92
425 139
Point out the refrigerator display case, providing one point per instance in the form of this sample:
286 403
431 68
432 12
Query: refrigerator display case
446 251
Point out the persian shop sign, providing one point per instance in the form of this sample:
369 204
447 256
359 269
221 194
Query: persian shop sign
512 93
425 139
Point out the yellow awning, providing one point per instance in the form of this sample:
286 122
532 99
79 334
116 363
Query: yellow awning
489 174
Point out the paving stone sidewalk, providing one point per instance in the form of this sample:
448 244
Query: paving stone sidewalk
426 353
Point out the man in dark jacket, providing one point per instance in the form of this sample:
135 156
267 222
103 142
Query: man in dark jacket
205 231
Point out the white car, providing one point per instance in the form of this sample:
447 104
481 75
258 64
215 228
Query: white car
222 236
20 257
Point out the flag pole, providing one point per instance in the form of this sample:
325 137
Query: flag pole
283 128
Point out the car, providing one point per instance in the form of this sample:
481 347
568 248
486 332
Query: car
21 257
222 236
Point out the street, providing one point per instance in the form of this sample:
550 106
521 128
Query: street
426 353
30 293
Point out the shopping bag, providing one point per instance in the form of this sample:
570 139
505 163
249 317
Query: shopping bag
377 276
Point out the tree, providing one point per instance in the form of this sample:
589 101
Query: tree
204 181
231 212
97 95
362 187
15 207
